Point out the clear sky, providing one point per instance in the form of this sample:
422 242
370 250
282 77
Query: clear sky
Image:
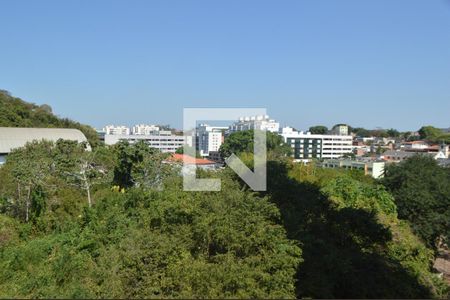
378 63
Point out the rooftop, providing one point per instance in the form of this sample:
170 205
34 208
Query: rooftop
190 160
15 137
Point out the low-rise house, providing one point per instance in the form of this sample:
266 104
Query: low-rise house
396 155
189 164
415 145
370 167
436 152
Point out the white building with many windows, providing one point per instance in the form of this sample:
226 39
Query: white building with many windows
165 141
209 138
116 130
255 123
307 146
143 129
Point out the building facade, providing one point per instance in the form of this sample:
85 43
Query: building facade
143 129
116 130
340 129
307 146
164 141
209 138
255 123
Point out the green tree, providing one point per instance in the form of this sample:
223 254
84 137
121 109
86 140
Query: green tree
147 244
138 164
361 132
319 129
80 168
242 141
422 193
429 132
353 245
180 150
393 132
31 168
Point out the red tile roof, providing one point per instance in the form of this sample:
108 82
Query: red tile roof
190 160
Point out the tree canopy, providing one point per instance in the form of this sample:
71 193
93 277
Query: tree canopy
242 141
14 112
115 222
434 134
421 191
142 237
319 129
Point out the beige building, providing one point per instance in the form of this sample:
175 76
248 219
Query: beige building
372 168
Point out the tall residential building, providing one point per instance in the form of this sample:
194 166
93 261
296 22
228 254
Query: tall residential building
143 129
209 138
308 146
255 123
165 141
340 129
116 130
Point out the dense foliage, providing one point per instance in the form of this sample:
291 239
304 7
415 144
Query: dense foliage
319 129
115 223
421 189
434 134
150 239
14 112
353 244
242 142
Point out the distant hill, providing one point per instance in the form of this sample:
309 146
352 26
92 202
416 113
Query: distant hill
15 112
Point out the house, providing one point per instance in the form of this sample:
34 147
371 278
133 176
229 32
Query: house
415 145
438 152
396 155
189 164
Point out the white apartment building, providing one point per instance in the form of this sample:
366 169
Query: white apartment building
143 129
116 130
165 141
308 146
340 129
255 123
209 138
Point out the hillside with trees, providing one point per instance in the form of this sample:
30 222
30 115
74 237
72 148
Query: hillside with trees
115 222
14 112
127 229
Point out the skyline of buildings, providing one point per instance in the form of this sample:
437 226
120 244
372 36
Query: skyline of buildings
336 143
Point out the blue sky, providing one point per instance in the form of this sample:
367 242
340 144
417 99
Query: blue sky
379 63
